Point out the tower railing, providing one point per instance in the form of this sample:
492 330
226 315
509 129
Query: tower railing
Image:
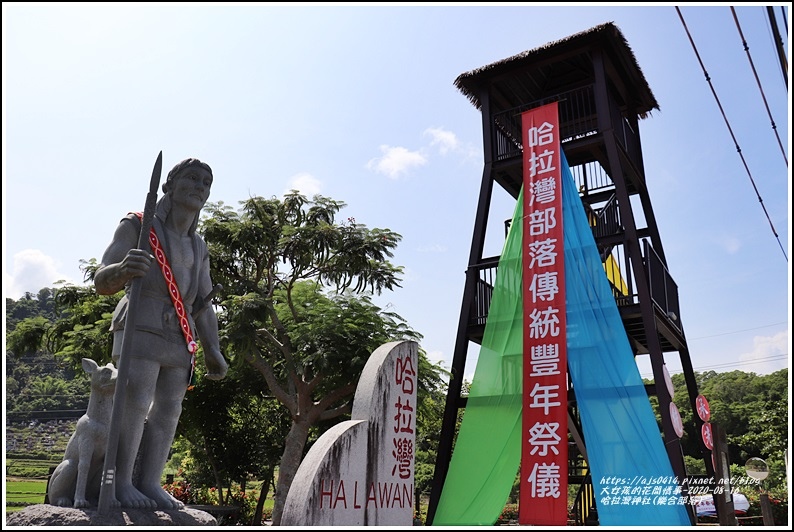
584 504
486 280
578 119
663 289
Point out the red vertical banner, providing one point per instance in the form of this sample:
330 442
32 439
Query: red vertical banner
543 494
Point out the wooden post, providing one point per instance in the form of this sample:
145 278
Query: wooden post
723 499
766 510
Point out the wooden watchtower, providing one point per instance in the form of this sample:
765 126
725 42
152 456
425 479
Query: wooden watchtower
602 94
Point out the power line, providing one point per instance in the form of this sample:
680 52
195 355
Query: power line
739 331
781 54
785 23
52 395
758 81
730 130
53 414
770 358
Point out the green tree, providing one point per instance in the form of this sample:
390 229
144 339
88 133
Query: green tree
233 430
53 392
29 306
27 335
431 401
72 322
34 380
83 328
767 431
295 305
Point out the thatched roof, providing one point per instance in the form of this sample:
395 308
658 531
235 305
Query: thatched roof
557 66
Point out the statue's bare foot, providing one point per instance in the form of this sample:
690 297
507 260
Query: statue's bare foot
163 499
129 497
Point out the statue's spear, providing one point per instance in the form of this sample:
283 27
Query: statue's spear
107 490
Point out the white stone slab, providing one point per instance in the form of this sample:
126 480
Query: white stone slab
361 472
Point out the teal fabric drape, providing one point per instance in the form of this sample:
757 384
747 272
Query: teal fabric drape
623 440
624 444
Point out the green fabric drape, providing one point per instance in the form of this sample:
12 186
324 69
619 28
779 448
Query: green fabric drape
488 447
619 425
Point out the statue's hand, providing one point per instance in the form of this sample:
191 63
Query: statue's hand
136 263
216 365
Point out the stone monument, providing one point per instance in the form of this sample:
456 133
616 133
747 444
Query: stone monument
361 472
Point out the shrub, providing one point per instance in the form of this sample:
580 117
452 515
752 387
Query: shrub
247 506
779 509
203 495
509 514
180 491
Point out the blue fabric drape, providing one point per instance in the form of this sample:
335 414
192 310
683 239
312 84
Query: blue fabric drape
624 444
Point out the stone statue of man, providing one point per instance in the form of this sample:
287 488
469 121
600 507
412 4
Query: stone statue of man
175 282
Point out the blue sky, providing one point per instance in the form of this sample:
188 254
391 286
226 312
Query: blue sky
357 102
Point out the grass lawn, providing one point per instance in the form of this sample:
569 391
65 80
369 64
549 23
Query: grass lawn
33 491
24 491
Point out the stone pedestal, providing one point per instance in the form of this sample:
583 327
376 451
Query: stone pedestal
49 515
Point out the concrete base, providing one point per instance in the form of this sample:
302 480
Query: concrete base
49 515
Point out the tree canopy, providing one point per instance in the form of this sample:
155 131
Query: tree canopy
296 305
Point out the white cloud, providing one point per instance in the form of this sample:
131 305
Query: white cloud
396 161
305 183
32 271
432 248
730 244
445 141
769 354
409 275
437 357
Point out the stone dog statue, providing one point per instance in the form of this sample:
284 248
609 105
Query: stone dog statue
77 478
